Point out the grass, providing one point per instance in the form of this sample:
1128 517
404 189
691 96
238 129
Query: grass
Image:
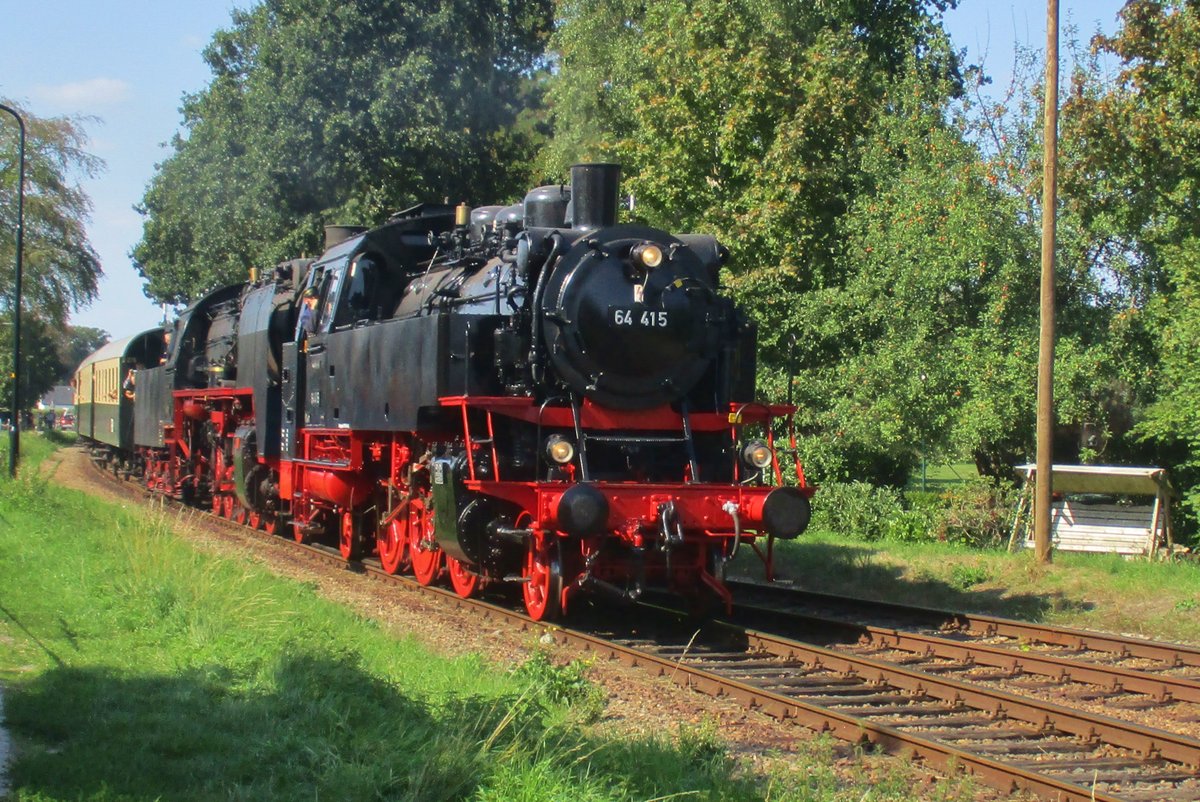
939 476
35 447
136 668
1095 591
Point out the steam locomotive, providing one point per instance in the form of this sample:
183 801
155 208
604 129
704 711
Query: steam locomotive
532 394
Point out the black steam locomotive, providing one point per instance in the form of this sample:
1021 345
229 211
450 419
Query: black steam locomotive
532 393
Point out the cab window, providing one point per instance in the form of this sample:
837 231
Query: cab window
359 290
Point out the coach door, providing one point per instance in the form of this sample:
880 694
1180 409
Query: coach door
91 429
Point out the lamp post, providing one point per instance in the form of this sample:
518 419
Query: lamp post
15 434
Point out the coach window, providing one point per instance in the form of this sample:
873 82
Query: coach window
358 292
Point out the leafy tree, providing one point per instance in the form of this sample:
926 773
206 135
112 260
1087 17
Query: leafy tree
929 345
884 224
77 343
60 268
323 111
1135 180
752 120
41 367
743 118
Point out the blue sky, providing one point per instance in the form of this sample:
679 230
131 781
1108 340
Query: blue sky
130 62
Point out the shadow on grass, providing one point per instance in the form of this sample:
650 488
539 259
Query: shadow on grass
855 570
319 728
324 730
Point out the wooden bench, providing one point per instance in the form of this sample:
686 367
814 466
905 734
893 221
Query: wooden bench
1106 528
1129 529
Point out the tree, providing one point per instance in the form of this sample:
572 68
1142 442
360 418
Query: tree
752 120
929 344
60 268
41 367
883 224
742 118
1135 181
77 343
322 111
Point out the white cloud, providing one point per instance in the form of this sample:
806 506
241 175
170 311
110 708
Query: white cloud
88 94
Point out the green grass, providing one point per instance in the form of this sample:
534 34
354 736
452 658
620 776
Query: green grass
1154 599
136 668
937 477
35 447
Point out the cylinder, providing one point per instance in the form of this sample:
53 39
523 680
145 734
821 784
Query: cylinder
546 207
194 411
482 218
594 191
510 219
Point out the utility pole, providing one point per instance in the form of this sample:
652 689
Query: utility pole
1045 395
14 450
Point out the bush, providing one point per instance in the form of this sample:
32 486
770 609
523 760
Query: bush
977 513
857 509
909 526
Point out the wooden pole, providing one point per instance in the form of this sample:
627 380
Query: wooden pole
1045 395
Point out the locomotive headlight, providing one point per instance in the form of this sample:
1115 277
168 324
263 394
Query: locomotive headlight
559 449
647 254
757 453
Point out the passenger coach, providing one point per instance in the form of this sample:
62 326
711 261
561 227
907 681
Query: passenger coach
103 410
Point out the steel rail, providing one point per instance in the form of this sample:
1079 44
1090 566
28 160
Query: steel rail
1114 679
1080 640
1144 740
943 756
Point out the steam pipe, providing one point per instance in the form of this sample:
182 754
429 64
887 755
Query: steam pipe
535 343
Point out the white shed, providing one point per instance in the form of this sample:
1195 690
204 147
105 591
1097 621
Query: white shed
1132 529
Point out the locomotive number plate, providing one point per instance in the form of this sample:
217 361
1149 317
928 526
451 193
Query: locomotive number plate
640 317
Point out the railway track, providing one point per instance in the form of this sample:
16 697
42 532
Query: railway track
1134 673
933 703
1009 740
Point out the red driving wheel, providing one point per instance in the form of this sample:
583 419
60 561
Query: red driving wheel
466 582
349 543
423 550
542 573
392 545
